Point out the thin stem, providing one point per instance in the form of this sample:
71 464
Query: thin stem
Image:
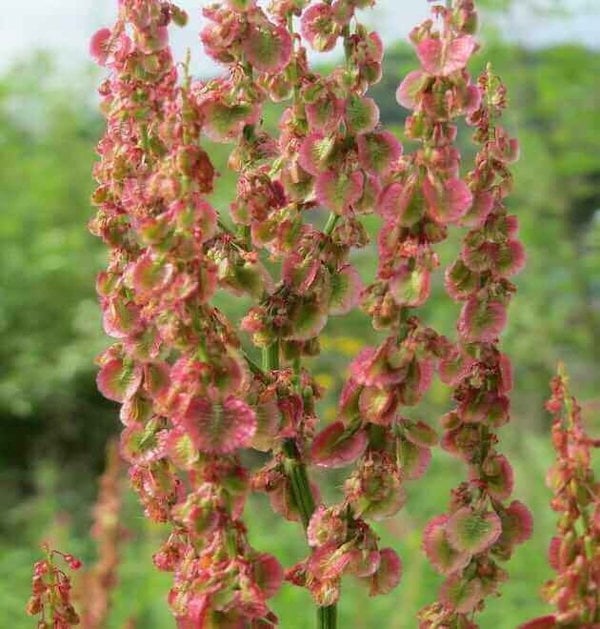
247 236
270 356
327 617
305 502
331 223
296 472
254 368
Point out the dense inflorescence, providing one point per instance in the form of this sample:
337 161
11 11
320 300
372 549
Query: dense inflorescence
193 399
480 527
574 552
176 367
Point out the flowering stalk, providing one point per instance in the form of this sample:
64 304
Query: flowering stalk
480 527
335 156
262 62
176 367
51 592
574 553
417 196
316 166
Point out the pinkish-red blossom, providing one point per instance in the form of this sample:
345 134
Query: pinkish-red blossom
319 28
440 57
336 446
100 45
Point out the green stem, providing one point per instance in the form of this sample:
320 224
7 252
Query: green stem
296 472
331 223
303 497
327 617
270 356
294 467
304 500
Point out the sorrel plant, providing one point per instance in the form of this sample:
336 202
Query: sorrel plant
193 400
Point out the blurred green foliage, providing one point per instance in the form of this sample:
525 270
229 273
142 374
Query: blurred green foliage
55 424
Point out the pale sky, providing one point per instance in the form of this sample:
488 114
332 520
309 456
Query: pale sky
65 26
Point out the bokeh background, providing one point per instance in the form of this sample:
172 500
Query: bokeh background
54 426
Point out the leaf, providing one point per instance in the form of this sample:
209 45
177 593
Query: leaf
181 449
120 319
517 524
376 492
401 203
307 319
267 424
196 213
142 443
377 405
369 196
100 45
149 275
136 409
199 511
349 400
498 476
413 460
417 380
325 114
363 563
420 433
223 123
370 368
455 366
460 281
483 202
510 258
